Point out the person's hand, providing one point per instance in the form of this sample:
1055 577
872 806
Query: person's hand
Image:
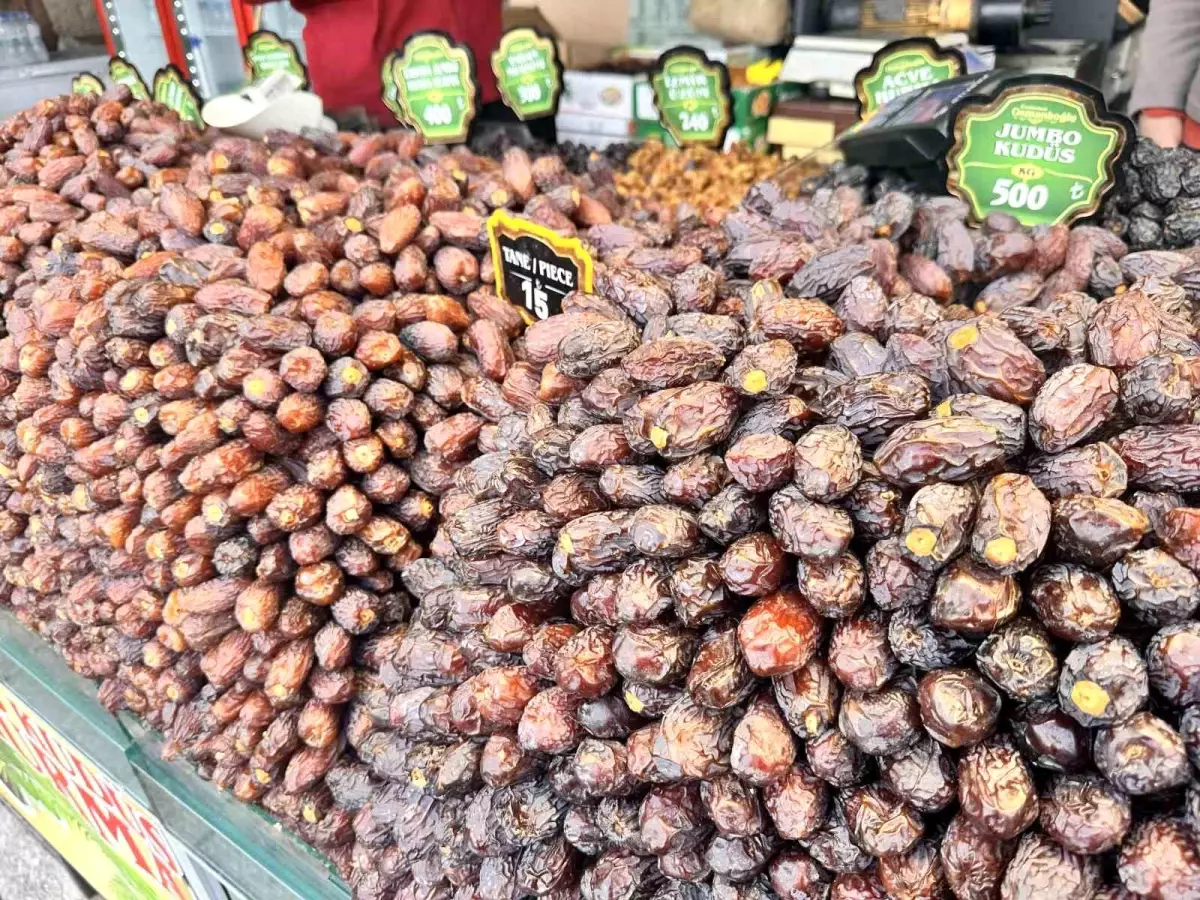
1166 131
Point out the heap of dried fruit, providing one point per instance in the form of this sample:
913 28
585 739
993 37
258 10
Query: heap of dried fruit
842 551
660 178
235 378
1158 204
578 158
871 576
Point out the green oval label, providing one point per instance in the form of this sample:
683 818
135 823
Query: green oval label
266 52
175 92
692 95
903 67
527 73
121 71
1045 153
87 83
430 85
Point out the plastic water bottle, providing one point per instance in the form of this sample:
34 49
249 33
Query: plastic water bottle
36 44
20 40
24 51
14 40
7 50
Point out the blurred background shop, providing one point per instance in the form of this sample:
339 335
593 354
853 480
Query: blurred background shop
791 62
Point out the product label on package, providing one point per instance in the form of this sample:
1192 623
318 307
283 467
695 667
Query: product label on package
692 96
175 92
903 67
1045 153
106 835
430 85
536 267
122 71
527 73
87 83
266 53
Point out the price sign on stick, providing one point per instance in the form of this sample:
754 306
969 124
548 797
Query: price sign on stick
87 83
692 95
528 73
903 67
536 267
1044 151
121 71
430 85
266 52
175 92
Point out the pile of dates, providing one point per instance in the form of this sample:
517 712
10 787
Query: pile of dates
1158 204
578 158
235 377
854 559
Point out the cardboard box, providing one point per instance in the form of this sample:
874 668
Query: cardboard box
586 32
822 156
605 95
599 141
617 129
610 104
810 123
804 127
786 131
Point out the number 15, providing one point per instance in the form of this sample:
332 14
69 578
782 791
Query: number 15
536 299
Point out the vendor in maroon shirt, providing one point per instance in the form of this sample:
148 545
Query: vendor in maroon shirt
345 42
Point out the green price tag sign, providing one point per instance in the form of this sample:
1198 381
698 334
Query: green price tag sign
903 67
430 85
122 71
528 73
692 95
175 92
266 52
388 88
1044 151
87 83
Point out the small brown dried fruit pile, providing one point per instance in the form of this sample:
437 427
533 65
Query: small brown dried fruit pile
660 178
875 576
236 375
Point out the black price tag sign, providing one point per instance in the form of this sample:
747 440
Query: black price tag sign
536 267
